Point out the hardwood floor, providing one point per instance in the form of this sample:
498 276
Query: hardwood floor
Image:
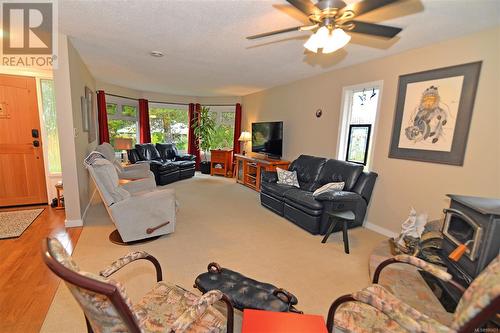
26 285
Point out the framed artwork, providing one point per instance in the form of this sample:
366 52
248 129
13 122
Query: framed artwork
85 114
92 114
358 142
433 114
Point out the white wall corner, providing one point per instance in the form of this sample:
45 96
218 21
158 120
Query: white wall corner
73 223
380 230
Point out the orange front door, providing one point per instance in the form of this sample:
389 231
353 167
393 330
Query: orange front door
22 174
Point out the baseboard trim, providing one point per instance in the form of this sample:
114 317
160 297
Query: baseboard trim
73 223
380 230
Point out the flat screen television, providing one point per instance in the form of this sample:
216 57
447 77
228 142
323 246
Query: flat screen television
267 138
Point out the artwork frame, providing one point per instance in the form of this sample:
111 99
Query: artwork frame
363 131
454 140
92 114
85 114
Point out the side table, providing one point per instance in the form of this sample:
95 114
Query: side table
345 217
258 321
59 190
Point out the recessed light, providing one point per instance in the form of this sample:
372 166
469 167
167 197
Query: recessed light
156 54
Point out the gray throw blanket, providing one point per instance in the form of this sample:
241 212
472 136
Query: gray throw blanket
93 156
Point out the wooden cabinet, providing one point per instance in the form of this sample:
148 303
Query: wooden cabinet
221 162
249 169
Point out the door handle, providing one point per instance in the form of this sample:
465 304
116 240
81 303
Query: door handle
36 143
34 133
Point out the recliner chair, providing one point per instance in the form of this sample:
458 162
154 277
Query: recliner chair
166 164
132 171
138 209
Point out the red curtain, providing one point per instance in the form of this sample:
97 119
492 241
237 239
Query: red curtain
144 130
237 129
102 117
193 148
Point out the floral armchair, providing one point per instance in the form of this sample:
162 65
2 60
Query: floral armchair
375 309
166 308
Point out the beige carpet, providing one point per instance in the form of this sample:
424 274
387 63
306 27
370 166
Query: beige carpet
14 223
221 221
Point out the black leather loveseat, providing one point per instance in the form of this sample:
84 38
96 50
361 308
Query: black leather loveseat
298 204
164 160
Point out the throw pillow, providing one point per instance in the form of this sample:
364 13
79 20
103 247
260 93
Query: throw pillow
286 177
330 187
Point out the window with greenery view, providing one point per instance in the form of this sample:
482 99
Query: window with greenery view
169 124
50 125
122 122
224 129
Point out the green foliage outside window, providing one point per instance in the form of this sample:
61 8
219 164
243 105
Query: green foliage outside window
129 111
111 108
169 125
119 128
50 125
228 117
222 137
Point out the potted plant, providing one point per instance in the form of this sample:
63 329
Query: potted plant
204 127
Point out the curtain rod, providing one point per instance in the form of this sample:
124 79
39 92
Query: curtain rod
174 103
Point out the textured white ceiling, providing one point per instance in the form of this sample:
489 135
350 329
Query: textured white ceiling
206 53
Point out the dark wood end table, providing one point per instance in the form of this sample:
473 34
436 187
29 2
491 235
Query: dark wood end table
345 217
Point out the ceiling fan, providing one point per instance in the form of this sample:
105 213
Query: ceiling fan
330 19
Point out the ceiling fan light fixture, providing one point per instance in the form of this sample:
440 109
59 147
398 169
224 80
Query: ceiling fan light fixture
312 44
336 40
322 36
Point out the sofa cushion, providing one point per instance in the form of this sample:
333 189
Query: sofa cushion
184 164
302 198
308 169
147 151
335 170
275 189
167 151
133 156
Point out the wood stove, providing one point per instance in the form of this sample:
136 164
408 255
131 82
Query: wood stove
473 221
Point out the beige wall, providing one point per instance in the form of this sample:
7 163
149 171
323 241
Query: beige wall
65 127
70 79
401 183
80 78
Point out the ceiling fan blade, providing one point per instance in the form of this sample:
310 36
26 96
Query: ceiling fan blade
265 34
374 29
363 7
305 6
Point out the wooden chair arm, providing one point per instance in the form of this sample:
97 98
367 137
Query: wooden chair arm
131 257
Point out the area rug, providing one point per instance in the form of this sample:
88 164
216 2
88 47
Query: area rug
219 220
13 224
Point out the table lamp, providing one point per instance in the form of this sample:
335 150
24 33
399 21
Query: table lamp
123 144
245 137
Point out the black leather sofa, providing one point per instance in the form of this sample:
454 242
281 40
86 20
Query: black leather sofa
298 204
164 160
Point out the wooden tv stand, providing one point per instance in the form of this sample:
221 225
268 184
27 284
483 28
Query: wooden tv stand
249 168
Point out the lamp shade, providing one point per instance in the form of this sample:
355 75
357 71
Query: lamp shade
336 40
123 143
312 43
245 137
